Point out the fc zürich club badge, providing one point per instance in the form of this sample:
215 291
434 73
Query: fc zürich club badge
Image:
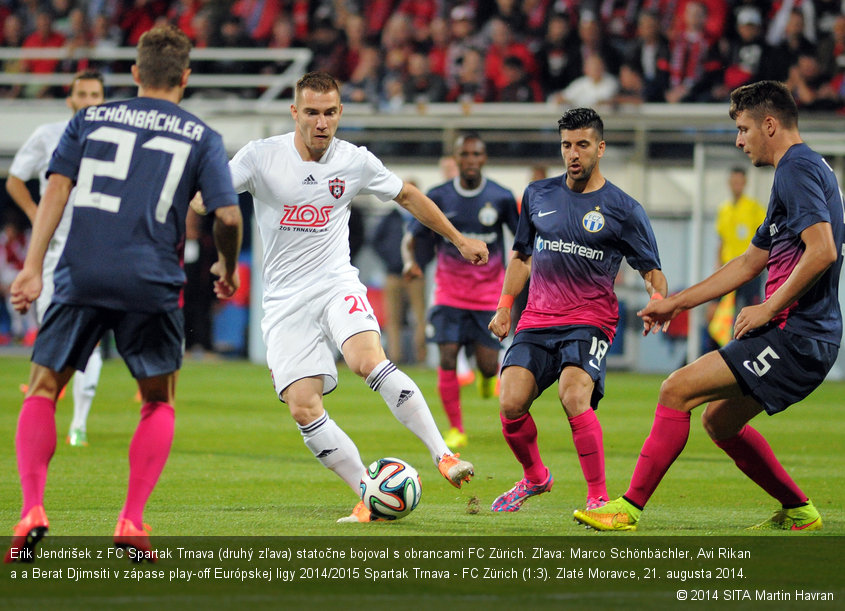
337 187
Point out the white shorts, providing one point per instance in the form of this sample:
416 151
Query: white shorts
302 334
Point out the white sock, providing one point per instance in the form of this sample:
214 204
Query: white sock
407 403
335 450
84 389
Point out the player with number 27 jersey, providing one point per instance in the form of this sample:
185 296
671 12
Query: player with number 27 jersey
127 147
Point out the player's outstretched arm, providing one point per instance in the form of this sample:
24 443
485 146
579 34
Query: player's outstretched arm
656 287
516 275
728 278
427 213
228 233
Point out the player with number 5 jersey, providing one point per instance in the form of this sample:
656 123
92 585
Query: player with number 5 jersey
302 184
135 164
782 348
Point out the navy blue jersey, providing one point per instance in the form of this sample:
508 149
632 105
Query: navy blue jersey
576 242
480 213
136 164
805 192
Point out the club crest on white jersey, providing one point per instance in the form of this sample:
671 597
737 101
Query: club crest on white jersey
337 187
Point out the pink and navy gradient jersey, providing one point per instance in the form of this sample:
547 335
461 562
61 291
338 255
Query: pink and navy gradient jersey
480 213
576 242
805 192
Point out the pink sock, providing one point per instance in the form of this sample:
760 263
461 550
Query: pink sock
754 457
35 442
669 434
587 436
450 395
521 435
147 455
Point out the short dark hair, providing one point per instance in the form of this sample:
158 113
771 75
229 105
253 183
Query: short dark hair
163 56
319 81
765 98
738 169
463 137
90 74
581 118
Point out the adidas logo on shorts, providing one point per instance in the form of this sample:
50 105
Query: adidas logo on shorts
309 180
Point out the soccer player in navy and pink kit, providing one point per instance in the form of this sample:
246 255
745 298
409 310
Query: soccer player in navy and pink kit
136 165
573 232
465 295
782 348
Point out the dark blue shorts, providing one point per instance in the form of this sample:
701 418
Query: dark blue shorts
545 352
778 368
464 327
151 343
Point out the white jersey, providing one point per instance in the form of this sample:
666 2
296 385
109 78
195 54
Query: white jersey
31 161
302 208
34 156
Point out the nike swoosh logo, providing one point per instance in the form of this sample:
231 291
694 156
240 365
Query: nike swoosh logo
546 213
592 364
796 527
747 365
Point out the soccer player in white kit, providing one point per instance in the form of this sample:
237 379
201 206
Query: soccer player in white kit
31 161
302 184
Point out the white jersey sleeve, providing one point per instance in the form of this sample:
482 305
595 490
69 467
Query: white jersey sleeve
242 168
376 179
33 157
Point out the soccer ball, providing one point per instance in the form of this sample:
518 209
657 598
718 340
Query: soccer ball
391 488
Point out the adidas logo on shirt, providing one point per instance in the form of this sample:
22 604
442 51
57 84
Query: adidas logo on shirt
309 180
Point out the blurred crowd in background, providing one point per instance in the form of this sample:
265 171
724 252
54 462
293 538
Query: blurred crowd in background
394 52
391 53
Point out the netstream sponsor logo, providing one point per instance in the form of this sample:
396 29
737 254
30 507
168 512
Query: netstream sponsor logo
568 248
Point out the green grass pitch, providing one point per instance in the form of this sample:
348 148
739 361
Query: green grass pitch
238 465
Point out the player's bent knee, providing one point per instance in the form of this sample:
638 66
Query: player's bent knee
575 401
710 427
716 427
304 415
513 407
672 392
